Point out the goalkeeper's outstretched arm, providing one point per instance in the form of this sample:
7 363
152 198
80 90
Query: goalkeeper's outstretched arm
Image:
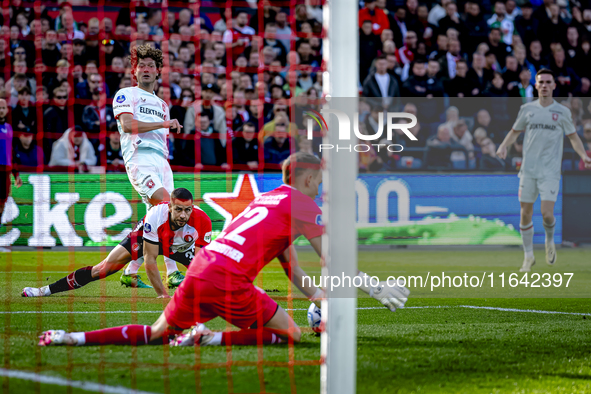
289 262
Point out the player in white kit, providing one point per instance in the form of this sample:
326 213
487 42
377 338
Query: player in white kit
545 122
143 120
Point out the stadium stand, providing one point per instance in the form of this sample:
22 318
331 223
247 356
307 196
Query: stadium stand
463 68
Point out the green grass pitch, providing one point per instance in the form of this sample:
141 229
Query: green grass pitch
421 349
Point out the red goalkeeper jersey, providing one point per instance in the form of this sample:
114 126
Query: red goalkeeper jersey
255 237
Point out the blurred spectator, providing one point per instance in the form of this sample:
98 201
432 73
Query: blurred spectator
451 20
525 25
55 119
24 118
278 146
462 136
535 57
479 136
397 21
511 73
272 42
283 29
50 53
380 83
240 35
478 77
376 16
567 82
500 20
497 46
113 77
425 31
113 152
483 120
369 45
97 113
515 154
523 89
79 51
489 159
73 149
406 53
438 12
459 86
26 152
63 72
93 83
441 146
245 147
417 84
14 85
212 152
475 25
452 56
551 28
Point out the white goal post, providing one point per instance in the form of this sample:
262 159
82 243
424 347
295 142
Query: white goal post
338 372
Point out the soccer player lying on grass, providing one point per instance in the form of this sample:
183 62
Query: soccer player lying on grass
220 280
176 229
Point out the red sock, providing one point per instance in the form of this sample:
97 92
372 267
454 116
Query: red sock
250 337
133 334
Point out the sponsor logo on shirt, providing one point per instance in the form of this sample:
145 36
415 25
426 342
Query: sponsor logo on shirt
143 99
147 228
150 183
120 98
188 238
207 237
536 126
270 200
226 250
149 111
318 220
555 117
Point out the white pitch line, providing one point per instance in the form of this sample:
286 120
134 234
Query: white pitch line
87 386
490 308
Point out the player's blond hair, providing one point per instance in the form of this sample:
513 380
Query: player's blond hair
297 164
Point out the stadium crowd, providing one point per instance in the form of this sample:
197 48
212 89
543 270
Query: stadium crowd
241 88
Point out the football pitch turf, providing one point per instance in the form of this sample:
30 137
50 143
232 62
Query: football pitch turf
435 345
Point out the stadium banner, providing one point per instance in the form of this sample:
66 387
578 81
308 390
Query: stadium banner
392 209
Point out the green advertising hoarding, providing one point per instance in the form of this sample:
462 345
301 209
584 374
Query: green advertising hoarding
90 209
392 209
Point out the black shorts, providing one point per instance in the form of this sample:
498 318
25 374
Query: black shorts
134 244
4 185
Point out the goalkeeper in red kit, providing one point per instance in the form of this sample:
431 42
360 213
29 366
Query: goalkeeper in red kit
219 281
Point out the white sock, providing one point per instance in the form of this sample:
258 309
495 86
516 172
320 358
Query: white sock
364 281
80 338
216 340
170 265
550 231
527 236
134 266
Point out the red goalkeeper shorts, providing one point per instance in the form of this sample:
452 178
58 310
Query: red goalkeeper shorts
198 301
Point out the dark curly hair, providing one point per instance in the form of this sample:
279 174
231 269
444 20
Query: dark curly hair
145 52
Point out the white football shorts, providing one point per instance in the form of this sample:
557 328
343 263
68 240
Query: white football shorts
149 171
529 188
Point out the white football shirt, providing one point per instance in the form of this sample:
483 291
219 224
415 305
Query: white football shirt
145 107
545 128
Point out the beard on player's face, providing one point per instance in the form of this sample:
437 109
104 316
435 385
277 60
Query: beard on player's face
180 213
